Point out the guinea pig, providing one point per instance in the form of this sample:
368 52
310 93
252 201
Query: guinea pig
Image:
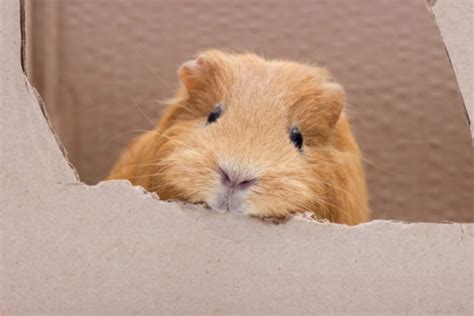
261 137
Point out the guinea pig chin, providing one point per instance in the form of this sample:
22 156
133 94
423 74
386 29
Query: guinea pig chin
228 199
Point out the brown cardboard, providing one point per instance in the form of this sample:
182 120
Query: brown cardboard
68 248
404 101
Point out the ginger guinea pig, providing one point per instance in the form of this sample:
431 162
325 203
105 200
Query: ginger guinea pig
261 137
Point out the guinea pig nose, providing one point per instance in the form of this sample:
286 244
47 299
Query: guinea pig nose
246 183
225 178
230 179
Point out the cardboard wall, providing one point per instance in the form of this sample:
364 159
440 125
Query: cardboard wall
93 60
67 248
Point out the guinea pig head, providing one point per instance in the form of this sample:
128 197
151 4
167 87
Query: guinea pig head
246 135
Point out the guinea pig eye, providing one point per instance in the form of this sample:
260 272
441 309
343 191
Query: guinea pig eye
215 114
296 137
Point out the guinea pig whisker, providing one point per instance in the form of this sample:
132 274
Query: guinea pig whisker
153 124
152 189
178 103
313 196
145 165
120 134
302 206
334 206
159 133
338 152
163 101
333 186
147 175
188 109
294 206
360 157
151 163
137 130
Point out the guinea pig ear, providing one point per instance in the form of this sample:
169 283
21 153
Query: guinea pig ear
333 98
203 70
191 73
320 110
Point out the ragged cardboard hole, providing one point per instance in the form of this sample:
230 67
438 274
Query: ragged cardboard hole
405 103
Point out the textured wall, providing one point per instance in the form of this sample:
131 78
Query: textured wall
93 60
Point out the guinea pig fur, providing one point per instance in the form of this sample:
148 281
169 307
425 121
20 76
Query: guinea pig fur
261 137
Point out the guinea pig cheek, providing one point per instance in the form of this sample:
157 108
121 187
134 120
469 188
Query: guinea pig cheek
190 171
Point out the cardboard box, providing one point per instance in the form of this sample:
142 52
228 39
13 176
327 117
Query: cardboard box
403 98
70 248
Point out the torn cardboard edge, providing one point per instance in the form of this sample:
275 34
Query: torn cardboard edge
32 90
458 46
71 248
430 6
305 216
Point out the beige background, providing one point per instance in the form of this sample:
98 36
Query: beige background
93 60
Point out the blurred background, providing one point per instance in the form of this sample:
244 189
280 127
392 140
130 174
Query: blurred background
96 63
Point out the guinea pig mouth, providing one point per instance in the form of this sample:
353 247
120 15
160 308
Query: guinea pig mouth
228 200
